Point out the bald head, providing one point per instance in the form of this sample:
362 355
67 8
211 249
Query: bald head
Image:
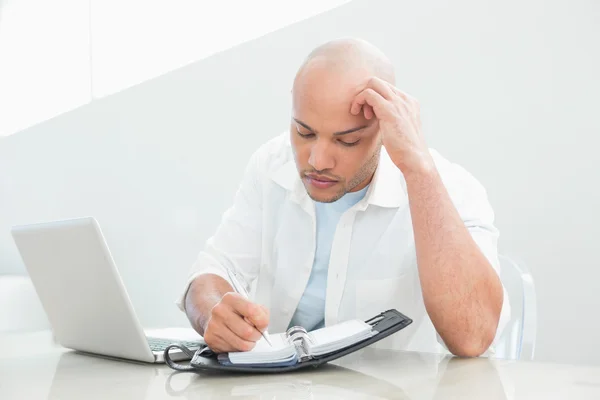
349 55
338 70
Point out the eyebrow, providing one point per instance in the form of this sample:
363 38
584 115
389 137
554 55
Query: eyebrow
336 133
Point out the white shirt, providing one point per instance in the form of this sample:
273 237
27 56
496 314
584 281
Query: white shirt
310 312
268 236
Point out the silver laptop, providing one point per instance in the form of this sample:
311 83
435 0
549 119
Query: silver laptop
83 295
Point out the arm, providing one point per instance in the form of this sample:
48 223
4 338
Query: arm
462 292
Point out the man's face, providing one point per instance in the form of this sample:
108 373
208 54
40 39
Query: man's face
335 152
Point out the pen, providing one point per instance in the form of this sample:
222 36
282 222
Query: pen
239 288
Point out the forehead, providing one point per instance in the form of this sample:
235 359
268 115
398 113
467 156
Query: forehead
322 97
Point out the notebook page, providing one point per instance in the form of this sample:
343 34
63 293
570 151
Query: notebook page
332 338
278 341
338 332
263 352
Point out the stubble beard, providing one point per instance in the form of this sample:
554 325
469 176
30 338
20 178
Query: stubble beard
365 171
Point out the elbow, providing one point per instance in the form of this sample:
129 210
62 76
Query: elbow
476 335
473 345
468 350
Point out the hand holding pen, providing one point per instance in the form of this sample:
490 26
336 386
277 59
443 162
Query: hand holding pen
239 288
236 323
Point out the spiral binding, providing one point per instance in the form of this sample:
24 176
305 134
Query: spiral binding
300 338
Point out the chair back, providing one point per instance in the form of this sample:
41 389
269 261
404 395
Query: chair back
518 338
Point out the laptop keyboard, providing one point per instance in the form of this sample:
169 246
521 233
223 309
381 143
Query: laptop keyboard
161 344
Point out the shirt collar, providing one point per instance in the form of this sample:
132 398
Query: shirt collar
387 189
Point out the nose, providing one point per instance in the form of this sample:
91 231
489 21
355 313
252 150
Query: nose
321 157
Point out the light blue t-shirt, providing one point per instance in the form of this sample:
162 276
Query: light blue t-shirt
310 312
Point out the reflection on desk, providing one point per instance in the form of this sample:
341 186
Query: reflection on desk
48 371
326 382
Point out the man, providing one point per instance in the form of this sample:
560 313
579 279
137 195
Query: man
349 214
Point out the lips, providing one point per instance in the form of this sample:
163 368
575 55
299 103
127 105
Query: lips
320 182
320 178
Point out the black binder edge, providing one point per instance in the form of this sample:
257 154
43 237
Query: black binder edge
385 323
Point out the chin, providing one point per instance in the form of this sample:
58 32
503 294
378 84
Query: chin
325 196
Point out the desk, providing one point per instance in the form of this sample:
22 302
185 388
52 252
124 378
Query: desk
32 367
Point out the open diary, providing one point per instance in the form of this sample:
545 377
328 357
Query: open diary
297 348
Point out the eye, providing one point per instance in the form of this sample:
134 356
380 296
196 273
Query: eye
349 144
304 135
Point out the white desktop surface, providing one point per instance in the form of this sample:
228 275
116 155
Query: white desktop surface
32 367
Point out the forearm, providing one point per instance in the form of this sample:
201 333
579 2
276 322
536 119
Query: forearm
461 290
203 294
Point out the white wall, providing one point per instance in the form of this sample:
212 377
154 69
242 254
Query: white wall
44 60
58 55
135 40
508 89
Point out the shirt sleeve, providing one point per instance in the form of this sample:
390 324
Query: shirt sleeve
236 244
471 200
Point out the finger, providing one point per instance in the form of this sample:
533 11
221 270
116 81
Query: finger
368 111
380 86
261 319
234 342
240 304
373 99
219 334
218 345
214 342
403 95
255 314
242 328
